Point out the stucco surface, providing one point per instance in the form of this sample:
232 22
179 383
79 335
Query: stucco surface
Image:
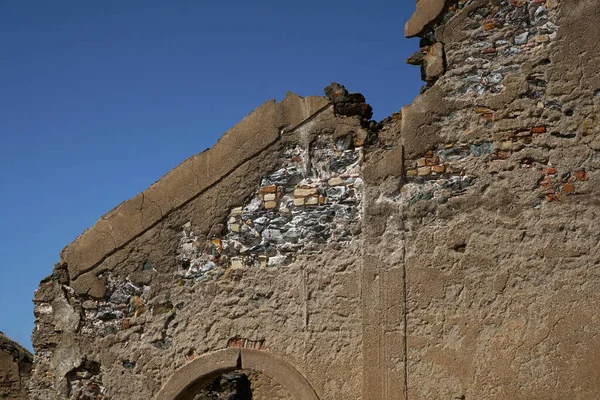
449 251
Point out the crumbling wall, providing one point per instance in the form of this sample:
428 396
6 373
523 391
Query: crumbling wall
15 369
498 199
244 262
449 251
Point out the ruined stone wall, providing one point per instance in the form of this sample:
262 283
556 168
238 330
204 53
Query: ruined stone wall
15 369
447 252
499 202
245 263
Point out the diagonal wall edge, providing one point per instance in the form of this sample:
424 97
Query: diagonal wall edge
131 218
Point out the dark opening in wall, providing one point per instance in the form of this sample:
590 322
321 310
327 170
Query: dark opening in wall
229 386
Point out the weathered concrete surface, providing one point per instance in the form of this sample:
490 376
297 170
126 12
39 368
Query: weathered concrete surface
502 279
448 252
15 369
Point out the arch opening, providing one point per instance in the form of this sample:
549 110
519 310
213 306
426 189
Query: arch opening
232 369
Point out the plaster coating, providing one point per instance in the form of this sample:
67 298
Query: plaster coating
449 251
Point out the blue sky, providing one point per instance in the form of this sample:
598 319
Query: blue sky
98 99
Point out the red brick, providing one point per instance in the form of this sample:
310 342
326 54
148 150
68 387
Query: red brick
488 26
503 155
538 129
268 189
546 182
569 188
581 176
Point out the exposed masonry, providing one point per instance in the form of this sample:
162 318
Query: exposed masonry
440 174
499 35
469 251
85 382
124 300
312 199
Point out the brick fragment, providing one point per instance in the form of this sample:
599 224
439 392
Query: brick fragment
312 201
569 188
335 181
503 155
269 205
546 182
236 211
305 191
552 197
429 161
268 189
581 176
424 171
488 26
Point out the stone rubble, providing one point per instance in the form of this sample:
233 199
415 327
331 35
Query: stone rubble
85 382
313 198
122 304
500 33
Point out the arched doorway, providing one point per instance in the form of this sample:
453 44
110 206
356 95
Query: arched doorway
203 370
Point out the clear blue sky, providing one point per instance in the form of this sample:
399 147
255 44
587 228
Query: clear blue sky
98 99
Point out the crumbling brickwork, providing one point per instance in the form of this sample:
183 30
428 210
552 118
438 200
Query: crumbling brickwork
449 251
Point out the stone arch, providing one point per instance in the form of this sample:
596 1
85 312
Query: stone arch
198 373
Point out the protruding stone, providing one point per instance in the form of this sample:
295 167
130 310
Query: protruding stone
336 93
348 104
89 284
427 11
434 62
416 59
